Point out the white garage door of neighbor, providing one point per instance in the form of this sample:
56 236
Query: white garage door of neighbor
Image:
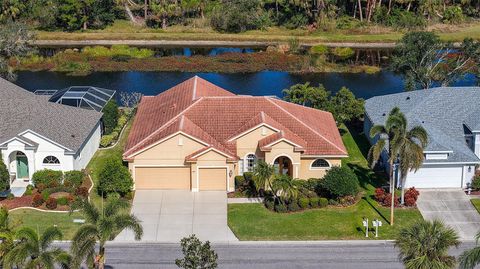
436 177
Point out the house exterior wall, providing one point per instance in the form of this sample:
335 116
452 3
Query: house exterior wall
477 143
88 149
283 148
306 171
213 159
46 148
248 143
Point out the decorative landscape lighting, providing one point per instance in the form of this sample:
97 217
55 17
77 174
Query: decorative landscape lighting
376 223
365 224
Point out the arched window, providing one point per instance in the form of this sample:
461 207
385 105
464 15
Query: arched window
250 161
51 160
320 163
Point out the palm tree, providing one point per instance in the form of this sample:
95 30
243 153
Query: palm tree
285 187
101 225
7 235
425 245
403 145
470 258
34 251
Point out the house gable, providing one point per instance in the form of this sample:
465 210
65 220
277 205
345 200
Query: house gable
248 143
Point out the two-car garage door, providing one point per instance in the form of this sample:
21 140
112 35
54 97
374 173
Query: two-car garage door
178 178
436 177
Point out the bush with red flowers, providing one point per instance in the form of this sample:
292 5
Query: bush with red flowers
388 200
379 195
81 191
51 203
411 196
37 200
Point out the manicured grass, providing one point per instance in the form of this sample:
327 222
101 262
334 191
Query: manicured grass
255 222
476 203
39 221
123 30
101 156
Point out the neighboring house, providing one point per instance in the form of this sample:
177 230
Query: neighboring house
198 136
36 134
451 117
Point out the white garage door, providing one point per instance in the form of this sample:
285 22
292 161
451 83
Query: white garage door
436 177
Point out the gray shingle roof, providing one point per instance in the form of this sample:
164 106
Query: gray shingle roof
21 110
443 112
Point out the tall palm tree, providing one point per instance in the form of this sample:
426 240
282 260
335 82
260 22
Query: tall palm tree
425 245
34 251
285 187
402 144
101 225
470 258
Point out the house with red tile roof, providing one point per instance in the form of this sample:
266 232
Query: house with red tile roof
198 136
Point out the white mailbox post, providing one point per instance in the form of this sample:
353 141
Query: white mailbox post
365 224
376 223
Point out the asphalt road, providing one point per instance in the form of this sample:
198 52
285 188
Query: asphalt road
358 255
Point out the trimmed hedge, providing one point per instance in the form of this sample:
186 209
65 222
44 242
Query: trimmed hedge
303 203
114 178
322 202
73 178
47 177
340 181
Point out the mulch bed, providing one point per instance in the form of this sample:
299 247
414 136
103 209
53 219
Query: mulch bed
17 202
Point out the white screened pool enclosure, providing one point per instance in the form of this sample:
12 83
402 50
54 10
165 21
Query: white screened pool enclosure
87 97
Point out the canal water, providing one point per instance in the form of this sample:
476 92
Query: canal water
258 83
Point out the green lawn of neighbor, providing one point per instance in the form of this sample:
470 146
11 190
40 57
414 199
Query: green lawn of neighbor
255 222
39 221
476 203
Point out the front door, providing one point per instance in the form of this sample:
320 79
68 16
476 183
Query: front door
22 167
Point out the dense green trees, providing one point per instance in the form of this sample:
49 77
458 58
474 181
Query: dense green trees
239 15
196 254
114 178
4 177
424 60
343 105
14 39
110 116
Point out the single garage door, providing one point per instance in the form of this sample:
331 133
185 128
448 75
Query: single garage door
213 179
436 177
162 178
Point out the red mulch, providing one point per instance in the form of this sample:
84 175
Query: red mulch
17 202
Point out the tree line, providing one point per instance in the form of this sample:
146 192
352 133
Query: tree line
238 15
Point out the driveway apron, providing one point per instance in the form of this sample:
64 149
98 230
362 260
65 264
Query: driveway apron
168 216
453 207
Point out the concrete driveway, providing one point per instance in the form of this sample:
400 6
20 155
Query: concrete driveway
168 216
453 207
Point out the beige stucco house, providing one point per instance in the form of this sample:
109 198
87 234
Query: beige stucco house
197 136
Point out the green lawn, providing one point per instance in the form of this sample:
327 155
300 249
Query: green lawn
255 222
123 30
476 203
39 221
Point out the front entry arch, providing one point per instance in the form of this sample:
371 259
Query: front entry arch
19 161
283 166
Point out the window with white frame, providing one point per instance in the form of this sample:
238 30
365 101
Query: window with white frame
249 162
320 164
51 160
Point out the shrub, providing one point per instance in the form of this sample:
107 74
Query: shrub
402 19
453 15
269 204
62 201
303 203
238 16
314 202
280 208
340 181
46 194
347 23
411 196
114 177
476 183
388 200
110 116
28 192
4 176
343 53
319 50
379 195
37 200
47 177
239 182
74 178
10 196
122 120
293 206
347 200
41 187
129 195
323 202
106 140
81 191
51 203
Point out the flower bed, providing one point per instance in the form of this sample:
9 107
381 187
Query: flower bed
385 199
112 138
